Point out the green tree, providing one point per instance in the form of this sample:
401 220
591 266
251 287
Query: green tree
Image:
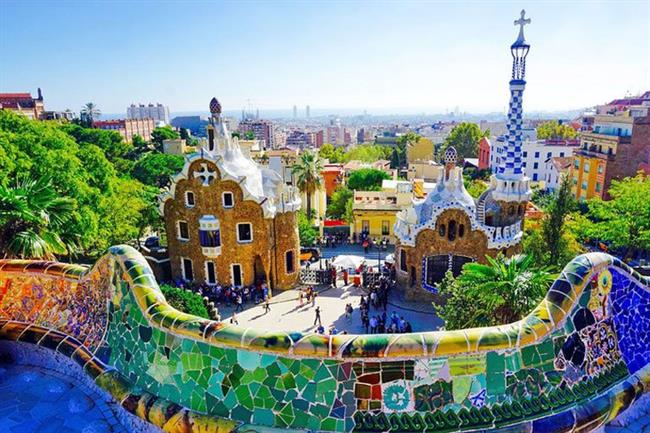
110 142
560 206
331 153
475 187
464 137
232 134
367 153
90 113
623 221
307 173
554 130
306 231
367 179
162 133
338 205
32 221
250 135
156 169
501 291
185 301
404 141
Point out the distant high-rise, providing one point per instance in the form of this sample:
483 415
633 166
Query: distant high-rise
307 114
295 112
158 112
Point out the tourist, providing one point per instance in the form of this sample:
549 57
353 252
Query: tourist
373 325
333 276
320 329
240 304
267 307
345 277
317 318
300 297
233 319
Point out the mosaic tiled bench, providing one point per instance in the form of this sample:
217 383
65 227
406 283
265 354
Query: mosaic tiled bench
576 362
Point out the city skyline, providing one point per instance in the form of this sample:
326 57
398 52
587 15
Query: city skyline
392 58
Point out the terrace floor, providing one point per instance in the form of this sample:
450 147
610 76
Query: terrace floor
287 314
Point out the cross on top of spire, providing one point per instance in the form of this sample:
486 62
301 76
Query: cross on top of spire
521 22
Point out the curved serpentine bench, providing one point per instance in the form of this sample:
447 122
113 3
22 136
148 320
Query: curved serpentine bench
575 362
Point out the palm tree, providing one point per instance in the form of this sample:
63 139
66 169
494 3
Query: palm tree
33 221
308 176
509 288
90 112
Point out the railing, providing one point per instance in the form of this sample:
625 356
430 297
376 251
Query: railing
315 276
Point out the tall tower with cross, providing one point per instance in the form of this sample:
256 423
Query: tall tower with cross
509 183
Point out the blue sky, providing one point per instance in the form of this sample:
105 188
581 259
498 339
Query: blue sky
402 56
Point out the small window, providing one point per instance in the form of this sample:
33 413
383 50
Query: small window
536 155
236 275
210 238
189 199
402 260
183 231
451 232
535 165
461 230
365 226
289 261
534 176
441 230
385 228
188 272
244 232
228 200
210 273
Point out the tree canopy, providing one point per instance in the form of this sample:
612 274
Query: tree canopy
156 169
554 130
340 204
464 137
331 153
623 221
366 179
163 133
85 166
499 292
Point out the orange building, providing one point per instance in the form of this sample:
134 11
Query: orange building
613 150
332 177
484 154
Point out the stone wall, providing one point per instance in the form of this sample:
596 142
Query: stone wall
208 201
472 244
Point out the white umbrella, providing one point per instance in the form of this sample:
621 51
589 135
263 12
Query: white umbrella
348 262
390 258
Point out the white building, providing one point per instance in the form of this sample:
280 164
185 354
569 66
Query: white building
159 113
556 167
534 155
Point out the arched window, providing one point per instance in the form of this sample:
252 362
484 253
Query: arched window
441 230
461 230
451 233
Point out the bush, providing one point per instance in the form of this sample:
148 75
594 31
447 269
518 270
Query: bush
182 300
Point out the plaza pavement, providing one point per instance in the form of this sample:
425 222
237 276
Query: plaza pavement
287 315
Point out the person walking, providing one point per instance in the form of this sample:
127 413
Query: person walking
317 318
233 319
240 304
345 277
267 307
300 297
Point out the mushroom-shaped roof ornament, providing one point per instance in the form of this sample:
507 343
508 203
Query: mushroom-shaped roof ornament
215 106
451 156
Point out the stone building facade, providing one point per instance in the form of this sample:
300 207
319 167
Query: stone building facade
230 221
449 228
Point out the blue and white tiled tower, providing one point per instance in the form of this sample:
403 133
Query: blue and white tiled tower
509 183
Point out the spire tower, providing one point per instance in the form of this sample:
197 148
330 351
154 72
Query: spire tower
509 182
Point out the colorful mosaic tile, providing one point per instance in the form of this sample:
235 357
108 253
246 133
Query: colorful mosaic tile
581 355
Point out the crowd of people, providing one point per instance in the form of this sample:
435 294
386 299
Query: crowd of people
230 295
373 305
